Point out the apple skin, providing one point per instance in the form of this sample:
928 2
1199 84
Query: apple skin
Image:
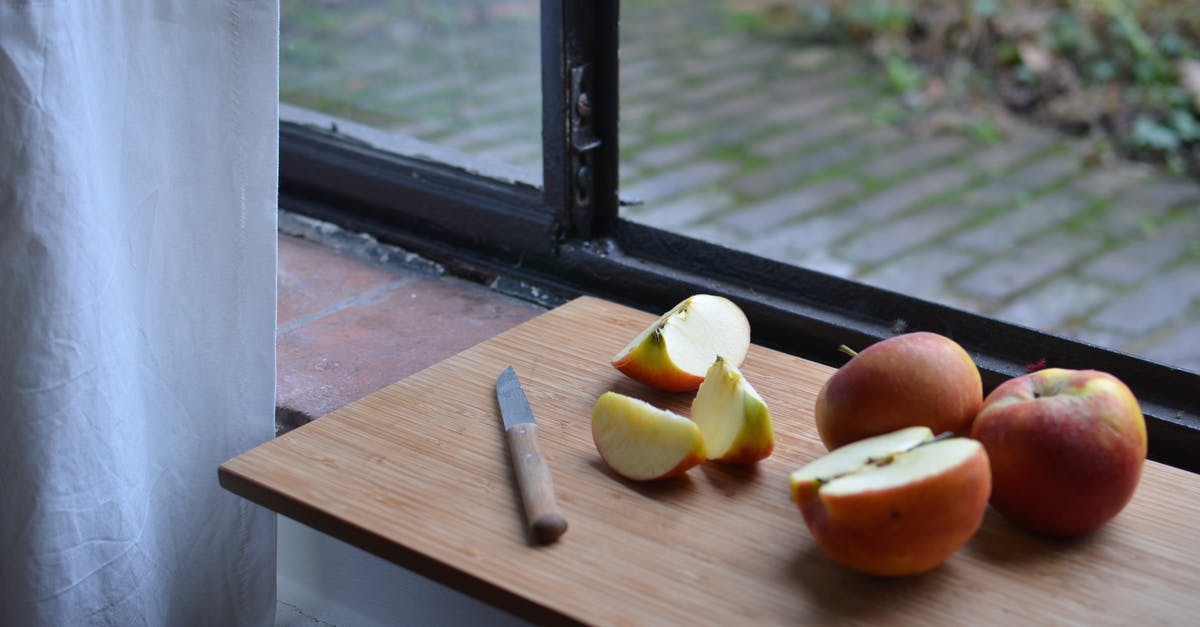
1067 449
902 531
915 379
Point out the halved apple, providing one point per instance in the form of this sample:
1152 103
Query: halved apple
733 418
675 352
642 442
895 504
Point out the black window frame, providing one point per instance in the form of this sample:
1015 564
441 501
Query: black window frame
568 238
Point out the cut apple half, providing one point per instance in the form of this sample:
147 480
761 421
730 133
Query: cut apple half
676 351
642 442
895 504
733 418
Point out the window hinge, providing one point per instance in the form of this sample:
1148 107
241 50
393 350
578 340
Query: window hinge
583 138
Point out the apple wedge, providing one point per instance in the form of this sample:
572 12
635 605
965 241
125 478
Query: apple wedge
642 442
675 352
895 504
732 417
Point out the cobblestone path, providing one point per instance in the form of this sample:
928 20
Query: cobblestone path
779 150
786 151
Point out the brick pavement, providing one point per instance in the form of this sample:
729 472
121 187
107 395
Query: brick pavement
786 150
1023 229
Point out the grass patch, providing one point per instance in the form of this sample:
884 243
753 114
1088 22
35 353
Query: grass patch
1128 70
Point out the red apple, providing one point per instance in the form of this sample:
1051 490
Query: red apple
895 504
915 379
1067 449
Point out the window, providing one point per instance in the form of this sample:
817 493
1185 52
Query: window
742 133
562 231
464 76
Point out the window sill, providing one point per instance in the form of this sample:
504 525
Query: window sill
354 317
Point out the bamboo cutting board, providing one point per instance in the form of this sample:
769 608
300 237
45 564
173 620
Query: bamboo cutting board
419 474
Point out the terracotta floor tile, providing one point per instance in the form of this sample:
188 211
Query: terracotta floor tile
313 278
355 351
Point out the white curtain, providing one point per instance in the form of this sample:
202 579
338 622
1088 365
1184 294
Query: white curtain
138 158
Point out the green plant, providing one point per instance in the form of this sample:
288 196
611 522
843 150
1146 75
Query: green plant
1111 65
881 16
985 132
902 76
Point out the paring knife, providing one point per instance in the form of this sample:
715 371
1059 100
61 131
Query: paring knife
546 522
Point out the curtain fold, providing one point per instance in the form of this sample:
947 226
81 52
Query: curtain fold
138 173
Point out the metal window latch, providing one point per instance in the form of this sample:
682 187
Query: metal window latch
583 136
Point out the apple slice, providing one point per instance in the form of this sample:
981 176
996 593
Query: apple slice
675 352
895 504
733 418
642 442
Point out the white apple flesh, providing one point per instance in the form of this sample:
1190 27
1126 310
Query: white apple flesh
733 418
642 442
676 351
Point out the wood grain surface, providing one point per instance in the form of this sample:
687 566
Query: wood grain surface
420 474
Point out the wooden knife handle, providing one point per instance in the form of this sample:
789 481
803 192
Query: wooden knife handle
546 522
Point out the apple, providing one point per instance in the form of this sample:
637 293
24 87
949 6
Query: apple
732 417
895 504
1067 449
915 379
675 352
642 442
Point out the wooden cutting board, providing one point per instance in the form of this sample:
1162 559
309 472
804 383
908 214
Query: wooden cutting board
419 474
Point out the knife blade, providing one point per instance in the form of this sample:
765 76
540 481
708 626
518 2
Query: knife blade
545 522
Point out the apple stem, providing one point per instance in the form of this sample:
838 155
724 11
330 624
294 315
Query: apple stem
847 350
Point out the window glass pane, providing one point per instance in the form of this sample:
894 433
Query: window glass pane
737 131
464 74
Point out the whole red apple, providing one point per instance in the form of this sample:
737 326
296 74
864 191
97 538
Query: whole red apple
1066 447
916 379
